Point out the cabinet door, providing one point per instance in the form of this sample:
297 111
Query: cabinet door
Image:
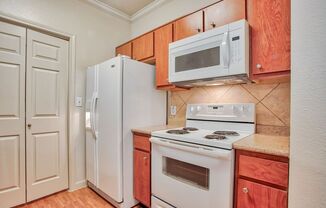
143 47
254 195
124 50
224 12
163 36
189 25
142 180
270 35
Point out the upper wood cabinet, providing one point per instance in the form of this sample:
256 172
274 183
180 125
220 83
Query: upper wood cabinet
188 25
224 12
163 36
143 47
270 35
124 50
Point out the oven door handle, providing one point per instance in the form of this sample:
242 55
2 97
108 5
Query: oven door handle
198 149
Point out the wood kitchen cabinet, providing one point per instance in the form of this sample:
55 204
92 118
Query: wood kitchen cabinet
142 169
224 12
163 36
189 25
261 180
143 47
125 49
255 195
270 37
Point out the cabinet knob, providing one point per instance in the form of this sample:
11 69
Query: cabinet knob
213 24
29 126
145 158
259 66
245 190
198 29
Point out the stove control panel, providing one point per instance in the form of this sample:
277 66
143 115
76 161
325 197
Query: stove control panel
244 112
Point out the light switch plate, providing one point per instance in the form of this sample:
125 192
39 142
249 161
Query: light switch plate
79 102
173 110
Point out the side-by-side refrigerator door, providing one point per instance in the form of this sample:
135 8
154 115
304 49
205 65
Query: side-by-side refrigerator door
110 129
91 144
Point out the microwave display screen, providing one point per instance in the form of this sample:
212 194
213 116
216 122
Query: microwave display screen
200 59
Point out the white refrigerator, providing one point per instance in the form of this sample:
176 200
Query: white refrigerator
120 95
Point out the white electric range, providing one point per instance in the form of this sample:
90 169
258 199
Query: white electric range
193 166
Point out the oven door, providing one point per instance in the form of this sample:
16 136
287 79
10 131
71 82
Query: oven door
191 176
200 57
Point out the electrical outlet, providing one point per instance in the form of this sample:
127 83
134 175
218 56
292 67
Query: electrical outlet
79 102
173 110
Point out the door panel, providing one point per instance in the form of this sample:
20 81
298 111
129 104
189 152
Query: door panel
143 47
46 112
12 114
125 49
270 35
163 36
142 177
109 113
188 25
254 195
224 12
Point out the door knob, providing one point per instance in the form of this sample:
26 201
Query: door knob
29 126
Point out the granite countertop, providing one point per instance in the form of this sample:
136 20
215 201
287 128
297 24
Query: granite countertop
149 129
268 144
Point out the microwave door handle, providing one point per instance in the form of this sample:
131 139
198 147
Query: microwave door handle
206 151
225 50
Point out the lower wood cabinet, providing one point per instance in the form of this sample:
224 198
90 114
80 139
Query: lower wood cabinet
255 195
261 180
142 169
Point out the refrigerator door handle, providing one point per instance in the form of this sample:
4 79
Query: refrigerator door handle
94 114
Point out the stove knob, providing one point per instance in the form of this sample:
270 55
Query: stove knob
198 108
192 109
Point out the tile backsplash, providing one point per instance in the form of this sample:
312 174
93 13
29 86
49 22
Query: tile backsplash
272 103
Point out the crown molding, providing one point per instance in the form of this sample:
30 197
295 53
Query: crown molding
121 14
109 9
146 9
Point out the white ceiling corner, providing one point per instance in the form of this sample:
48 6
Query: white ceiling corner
123 15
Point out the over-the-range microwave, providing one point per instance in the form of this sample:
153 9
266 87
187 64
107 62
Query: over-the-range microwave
217 56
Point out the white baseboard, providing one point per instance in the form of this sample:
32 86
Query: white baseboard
78 185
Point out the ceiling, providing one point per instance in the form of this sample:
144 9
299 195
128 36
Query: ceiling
129 7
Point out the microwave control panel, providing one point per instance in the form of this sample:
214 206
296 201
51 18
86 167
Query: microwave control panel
235 46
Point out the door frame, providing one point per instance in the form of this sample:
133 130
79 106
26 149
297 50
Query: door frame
71 38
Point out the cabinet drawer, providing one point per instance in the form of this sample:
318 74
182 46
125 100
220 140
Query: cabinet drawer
270 171
142 143
255 195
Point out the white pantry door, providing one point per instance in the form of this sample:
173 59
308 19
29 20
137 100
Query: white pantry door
12 114
46 115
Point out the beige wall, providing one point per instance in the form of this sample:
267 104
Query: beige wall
307 187
272 103
97 34
168 11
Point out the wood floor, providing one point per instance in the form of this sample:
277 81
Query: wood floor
81 198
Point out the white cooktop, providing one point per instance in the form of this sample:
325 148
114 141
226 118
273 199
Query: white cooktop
198 137
208 118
